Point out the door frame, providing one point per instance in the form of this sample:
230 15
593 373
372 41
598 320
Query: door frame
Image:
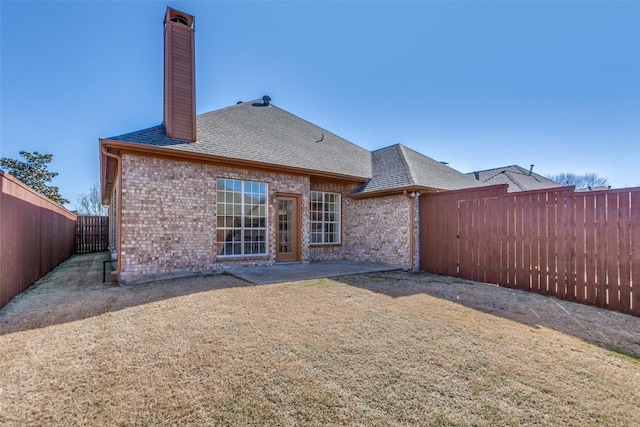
296 226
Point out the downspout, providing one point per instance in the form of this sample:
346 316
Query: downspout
119 210
412 197
417 268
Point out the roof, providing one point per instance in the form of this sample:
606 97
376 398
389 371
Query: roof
255 134
400 167
518 178
265 134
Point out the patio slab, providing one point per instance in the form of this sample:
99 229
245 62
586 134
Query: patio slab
291 272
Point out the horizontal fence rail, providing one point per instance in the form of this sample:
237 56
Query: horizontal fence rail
36 234
577 246
92 234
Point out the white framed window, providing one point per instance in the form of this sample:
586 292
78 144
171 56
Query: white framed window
324 209
241 217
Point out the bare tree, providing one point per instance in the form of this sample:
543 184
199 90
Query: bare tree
90 203
588 180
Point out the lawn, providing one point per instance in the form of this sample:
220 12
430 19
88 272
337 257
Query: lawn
377 349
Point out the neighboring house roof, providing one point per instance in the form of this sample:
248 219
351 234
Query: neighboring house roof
264 134
400 167
518 178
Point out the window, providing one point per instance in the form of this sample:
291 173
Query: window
241 217
325 218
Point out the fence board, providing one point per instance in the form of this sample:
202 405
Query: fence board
590 248
464 249
500 224
539 255
514 240
493 249
611 261
582 247
510 206
635 252
525 227
475 239
519 278
551 272
624 251
561 252
601 249
547 242
449 236
529 230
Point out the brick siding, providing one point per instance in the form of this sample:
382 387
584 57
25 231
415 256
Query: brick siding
373 229
168 220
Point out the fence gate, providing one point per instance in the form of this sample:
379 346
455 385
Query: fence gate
92 234
478 255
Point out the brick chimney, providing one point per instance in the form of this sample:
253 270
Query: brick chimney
179 75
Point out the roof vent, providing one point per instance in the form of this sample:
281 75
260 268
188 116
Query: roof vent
266 100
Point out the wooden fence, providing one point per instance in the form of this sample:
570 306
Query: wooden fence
36 234
92 234
578 246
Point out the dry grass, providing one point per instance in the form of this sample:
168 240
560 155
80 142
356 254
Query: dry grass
383 349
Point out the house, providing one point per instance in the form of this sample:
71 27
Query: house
254 185
518 178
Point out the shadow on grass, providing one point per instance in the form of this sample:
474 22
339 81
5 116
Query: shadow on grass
610 330
74 291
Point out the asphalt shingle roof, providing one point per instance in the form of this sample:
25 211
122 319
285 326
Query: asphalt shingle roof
255 132
251 131
518 178
398 166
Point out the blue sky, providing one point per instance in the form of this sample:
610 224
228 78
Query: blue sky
473 83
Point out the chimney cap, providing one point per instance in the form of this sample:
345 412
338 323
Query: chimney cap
174 15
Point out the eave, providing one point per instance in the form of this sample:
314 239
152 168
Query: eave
395 191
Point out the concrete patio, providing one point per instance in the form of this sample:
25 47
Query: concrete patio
291 272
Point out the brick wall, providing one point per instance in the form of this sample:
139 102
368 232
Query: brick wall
373 229
169 217
378 230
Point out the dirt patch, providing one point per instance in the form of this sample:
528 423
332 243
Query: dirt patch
379 349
